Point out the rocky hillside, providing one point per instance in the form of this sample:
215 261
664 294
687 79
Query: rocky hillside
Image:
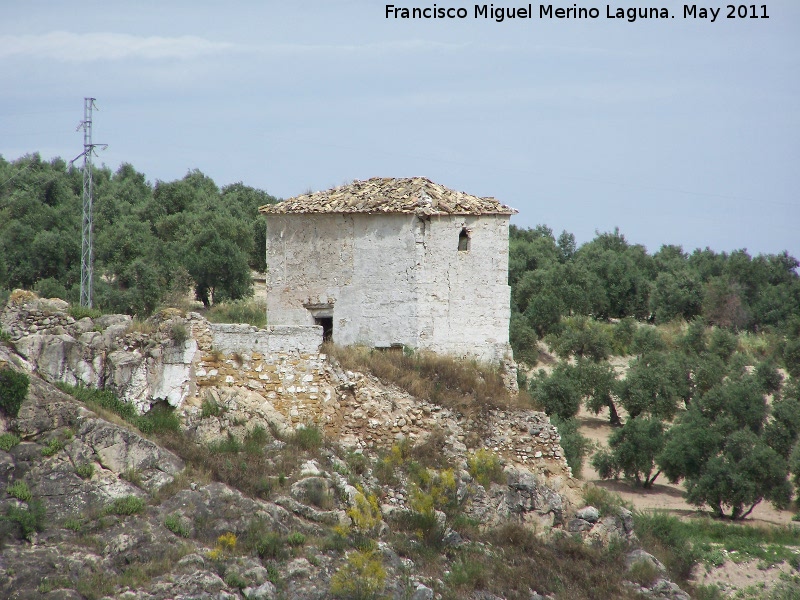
143 463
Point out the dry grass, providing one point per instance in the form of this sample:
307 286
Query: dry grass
245 464
760 346
251 311
21 297
138 326
465 386
520 562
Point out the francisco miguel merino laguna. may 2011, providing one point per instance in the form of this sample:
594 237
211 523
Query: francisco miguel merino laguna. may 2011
550 11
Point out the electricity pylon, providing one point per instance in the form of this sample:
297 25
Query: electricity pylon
87 242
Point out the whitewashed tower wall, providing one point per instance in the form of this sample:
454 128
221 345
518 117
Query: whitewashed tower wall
394 279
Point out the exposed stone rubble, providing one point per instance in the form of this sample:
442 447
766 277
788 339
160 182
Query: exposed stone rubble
605 529
371 415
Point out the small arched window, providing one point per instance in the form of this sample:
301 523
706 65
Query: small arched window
463 240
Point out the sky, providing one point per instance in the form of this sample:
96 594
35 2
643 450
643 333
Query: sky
677 130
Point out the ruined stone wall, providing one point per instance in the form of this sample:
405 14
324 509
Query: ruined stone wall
294 385
359 411
240 337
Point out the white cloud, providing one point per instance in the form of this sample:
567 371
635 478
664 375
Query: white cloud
73 47
369 48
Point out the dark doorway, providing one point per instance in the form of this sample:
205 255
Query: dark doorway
327 327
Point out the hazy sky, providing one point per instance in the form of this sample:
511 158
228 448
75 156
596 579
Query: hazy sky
675 130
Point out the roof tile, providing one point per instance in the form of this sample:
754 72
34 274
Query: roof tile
417 195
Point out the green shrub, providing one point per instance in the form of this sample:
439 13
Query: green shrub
523 340
643 572
229 445
709 592
255 440
47 585
336 541
178 333
575 445
79 312
271 545
308 437
19 490
429 492
361 578
13 390
469 574
666 537
126 506
558 392
176 525
485 467
357 463
73 524
273 575
234 580
210 408
608 503
161 418
85 470
8 441
253 312
366 512
95 585
622 336
53 446
295 539
30 519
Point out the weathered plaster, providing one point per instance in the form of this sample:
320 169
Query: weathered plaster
393 279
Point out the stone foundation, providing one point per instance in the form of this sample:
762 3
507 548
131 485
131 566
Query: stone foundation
255 377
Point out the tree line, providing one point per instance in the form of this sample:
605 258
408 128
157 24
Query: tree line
610 278
151 241
710 387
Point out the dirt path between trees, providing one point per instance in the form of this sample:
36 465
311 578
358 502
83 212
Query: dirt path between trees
664 496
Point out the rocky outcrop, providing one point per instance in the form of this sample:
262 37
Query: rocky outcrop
603 530
77 461
99 510
223 388
525 499
141 363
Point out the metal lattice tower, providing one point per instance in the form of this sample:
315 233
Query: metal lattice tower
87 243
